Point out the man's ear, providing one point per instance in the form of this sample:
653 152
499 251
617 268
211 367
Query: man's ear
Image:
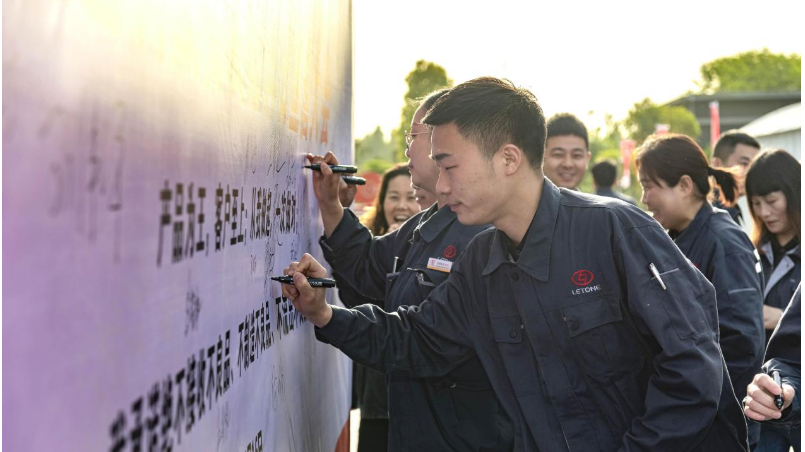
512 158
716 162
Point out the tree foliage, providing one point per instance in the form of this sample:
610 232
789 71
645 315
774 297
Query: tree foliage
643 118
756 70
373 147
424 79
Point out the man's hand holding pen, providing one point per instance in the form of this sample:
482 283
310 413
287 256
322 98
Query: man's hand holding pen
308 301
759 403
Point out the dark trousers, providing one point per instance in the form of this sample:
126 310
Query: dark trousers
775 439
373 435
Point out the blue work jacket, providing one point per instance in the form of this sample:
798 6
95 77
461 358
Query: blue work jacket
781 280
455 411
610 193
785 356
600 337
722 251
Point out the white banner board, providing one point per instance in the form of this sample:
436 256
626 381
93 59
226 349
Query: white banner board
152 184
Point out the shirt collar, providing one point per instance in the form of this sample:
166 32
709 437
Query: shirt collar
684 240
434 222
535 258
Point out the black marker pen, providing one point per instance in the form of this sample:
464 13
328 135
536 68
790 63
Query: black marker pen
314 282
355 180
336 168
778 399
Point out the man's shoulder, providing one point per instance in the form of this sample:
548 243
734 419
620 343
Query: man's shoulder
481 242
626 198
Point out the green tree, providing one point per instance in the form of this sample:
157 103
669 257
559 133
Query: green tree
424 79
605 139
643 118
373 147
756 70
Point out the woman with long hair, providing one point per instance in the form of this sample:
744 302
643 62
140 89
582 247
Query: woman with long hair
676 179
773 184
395 203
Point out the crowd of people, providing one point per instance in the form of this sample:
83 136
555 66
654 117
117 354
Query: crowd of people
496 307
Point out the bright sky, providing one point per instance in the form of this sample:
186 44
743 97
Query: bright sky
587 58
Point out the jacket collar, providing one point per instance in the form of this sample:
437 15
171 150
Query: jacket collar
782 268
535 259
685 239
434 222
768 253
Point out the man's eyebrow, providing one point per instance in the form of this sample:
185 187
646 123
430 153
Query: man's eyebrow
440 156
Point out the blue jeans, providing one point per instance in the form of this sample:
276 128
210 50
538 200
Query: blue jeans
776 439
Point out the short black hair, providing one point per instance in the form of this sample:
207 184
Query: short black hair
567 124
604 173
725 145
491 112
429 99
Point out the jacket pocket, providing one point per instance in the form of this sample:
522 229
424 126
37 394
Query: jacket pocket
677 295
427 280
518 358
606 347
391 279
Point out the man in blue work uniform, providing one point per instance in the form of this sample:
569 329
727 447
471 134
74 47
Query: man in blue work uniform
735 149
604 174
455 411
595 331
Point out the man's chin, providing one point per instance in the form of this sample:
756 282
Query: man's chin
467 220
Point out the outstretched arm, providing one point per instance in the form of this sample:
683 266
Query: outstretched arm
423 341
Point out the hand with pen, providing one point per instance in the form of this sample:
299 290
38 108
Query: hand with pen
309 301
332 193
766 399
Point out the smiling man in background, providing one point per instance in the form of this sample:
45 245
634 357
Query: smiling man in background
567 152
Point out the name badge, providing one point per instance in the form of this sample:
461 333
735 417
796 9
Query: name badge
439 265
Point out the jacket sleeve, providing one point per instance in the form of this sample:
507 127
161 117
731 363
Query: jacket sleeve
351 297
680 322
783 355
740 315
427 340
361 260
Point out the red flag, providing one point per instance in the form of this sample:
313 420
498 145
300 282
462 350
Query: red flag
715 123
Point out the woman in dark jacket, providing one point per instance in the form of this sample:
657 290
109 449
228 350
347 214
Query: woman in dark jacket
773 184
676 178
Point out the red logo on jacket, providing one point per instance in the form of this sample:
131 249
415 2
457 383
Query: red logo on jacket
450 252
582 277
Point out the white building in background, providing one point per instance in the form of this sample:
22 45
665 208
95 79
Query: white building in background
781 128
